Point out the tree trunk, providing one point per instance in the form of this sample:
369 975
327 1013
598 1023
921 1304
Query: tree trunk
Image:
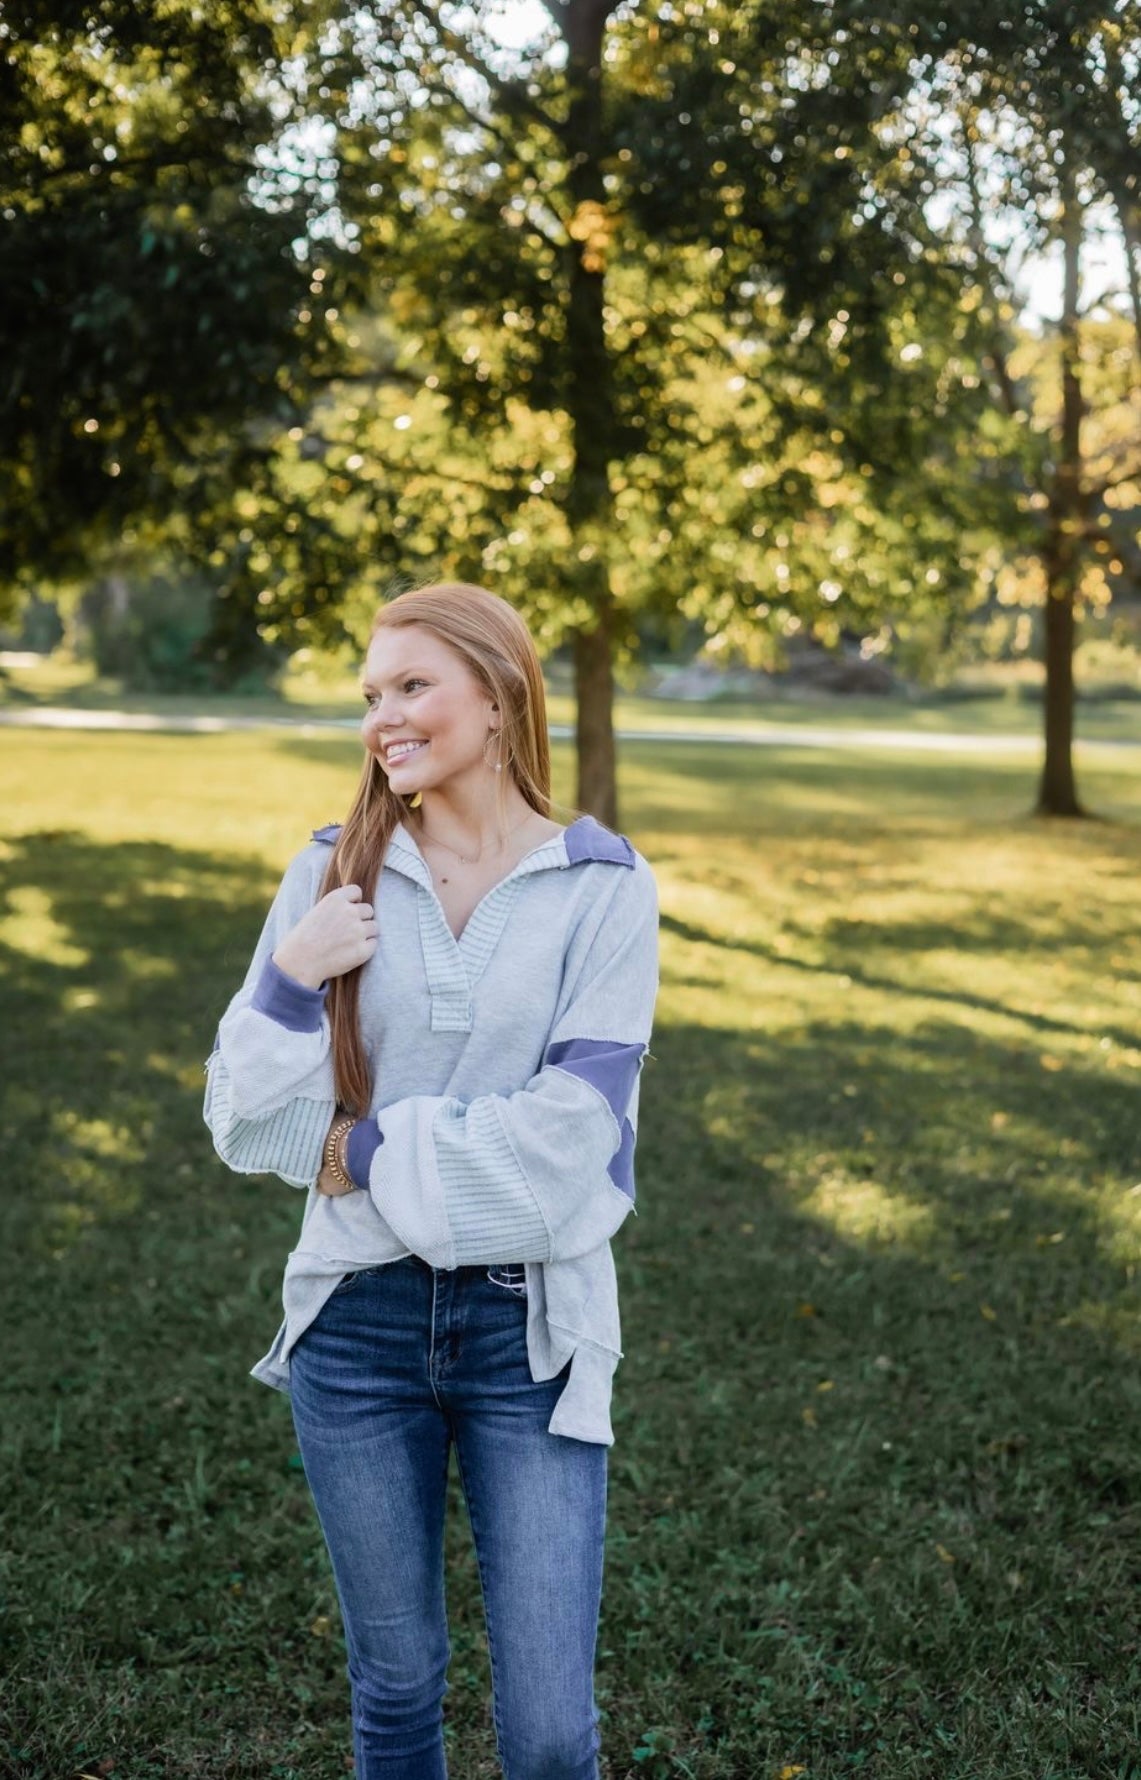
1123 194
1132 249
594 729
1057 791
1062 551
590 403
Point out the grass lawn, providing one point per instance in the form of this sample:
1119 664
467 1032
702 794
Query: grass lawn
875 1497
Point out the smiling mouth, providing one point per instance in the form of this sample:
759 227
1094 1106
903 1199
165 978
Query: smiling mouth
403 752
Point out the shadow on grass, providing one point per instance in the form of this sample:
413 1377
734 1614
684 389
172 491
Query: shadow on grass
874 1487
843 939
875 1425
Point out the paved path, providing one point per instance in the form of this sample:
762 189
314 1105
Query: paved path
754 735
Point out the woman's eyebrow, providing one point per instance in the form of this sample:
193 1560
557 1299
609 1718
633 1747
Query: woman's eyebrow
367 685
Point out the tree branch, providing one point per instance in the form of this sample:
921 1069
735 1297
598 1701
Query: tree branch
511 486
976 238
493 130
1007 388
375 378
1132 249
482 123
1117 89
442 86
37 178
511 93
530 223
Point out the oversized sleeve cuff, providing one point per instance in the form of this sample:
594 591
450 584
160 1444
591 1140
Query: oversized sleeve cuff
361 1146
286 1001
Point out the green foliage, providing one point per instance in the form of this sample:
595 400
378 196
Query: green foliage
144 633
713 337
149 632
160 256
38 626
734 510
874 1488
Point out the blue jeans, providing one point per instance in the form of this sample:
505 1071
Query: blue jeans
401 1360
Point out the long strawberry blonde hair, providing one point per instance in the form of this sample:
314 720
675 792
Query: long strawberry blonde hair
492 639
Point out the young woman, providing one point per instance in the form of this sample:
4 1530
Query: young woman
440 1036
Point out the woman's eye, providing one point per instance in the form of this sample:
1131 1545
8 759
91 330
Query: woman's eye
373 698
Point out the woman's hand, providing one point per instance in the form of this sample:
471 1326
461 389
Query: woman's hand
338 934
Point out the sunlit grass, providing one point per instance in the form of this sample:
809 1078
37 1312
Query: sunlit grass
876 1491
27 925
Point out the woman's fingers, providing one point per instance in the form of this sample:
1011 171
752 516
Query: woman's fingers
354 894
339 934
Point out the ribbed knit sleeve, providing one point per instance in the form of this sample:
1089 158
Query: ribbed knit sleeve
287 1142
269 1081
545 1173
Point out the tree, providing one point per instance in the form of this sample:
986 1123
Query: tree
765 134
575 346
1046 151
876 174
482 198
156 212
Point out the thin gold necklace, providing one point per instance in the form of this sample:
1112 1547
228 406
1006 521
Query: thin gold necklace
464 858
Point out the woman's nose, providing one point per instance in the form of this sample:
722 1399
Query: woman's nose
383 718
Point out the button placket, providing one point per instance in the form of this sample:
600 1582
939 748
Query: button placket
448 984
453 967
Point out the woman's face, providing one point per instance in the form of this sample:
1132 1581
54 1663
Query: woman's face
418 690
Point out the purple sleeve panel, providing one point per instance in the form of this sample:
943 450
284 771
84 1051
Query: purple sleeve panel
610 1068
287 1001
361 1146
621 1169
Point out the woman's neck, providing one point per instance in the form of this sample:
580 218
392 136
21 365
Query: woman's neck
471 830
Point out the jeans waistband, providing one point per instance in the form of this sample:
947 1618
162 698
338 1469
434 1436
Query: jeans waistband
468 1271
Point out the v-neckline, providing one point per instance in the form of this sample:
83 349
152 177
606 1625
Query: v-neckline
457 939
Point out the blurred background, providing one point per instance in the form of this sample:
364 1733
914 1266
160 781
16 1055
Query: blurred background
781 363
